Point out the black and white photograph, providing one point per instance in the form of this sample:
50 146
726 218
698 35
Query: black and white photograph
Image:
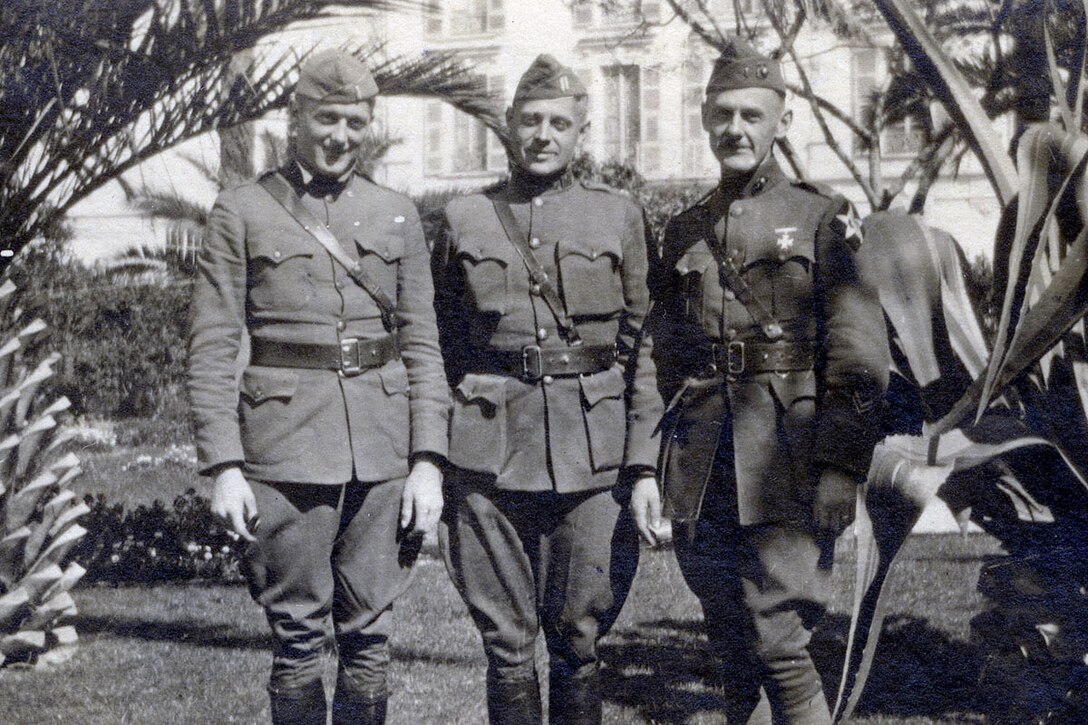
579 362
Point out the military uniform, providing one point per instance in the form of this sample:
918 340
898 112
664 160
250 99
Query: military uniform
771 347
541 428
324 417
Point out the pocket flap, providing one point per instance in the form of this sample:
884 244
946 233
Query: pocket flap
592 248
261 383
277 250
476 254
605 384
694 261
389 248
793 386
489 388
394 377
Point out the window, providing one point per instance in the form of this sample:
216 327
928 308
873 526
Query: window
589 13
464 17
904 137
622 128
697 160
458 143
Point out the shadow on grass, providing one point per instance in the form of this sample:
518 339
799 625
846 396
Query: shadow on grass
184 631
662 669
195 633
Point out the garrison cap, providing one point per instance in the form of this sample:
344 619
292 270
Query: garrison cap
336 76
548 78
741 66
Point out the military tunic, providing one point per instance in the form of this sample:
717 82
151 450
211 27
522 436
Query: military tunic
533 528
326 453
750 276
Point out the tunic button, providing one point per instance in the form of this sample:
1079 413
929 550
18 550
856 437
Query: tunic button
535 289
542 334
538 201
534 242
340 284
736 211
729 294
565 359
548 380
730 334
340 325
772 330
276 254
258 393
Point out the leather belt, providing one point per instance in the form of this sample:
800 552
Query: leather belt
532 362
351 356
740 357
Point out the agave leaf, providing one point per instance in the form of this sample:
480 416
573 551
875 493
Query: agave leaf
1055 76
952 89
1035 208
59 547
22 642
48 612
38 583
905 475
69 516
12 605
68 579
23 502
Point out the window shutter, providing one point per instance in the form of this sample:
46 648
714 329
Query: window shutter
496 19
496 153
651 114
583 13
433 13
433 152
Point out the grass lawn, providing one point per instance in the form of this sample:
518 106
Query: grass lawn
199 653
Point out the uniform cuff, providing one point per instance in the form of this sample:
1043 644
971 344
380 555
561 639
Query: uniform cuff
847 430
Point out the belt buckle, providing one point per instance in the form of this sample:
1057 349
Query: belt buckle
735 357
350 363
532 366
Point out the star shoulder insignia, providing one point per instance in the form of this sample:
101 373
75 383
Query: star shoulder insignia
851 225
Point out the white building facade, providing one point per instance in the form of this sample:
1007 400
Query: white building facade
645 70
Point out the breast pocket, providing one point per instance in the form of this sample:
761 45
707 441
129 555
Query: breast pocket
698 282
280 274
792 282
590 276
380 256
487 278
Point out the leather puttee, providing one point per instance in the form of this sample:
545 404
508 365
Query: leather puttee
533 362
351 356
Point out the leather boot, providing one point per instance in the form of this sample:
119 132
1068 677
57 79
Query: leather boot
351 709
513 703
574 700
305 706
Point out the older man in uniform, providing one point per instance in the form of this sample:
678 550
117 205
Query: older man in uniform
772 349
326 452
542 293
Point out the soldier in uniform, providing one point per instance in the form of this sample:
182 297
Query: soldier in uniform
541 286
772 350
326 453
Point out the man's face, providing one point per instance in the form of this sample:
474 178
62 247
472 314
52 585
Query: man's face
327 135
547 133
742 124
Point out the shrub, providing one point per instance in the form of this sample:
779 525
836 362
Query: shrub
122 340
154 544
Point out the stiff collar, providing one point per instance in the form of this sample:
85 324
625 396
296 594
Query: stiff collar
523 185
766 176
319 186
